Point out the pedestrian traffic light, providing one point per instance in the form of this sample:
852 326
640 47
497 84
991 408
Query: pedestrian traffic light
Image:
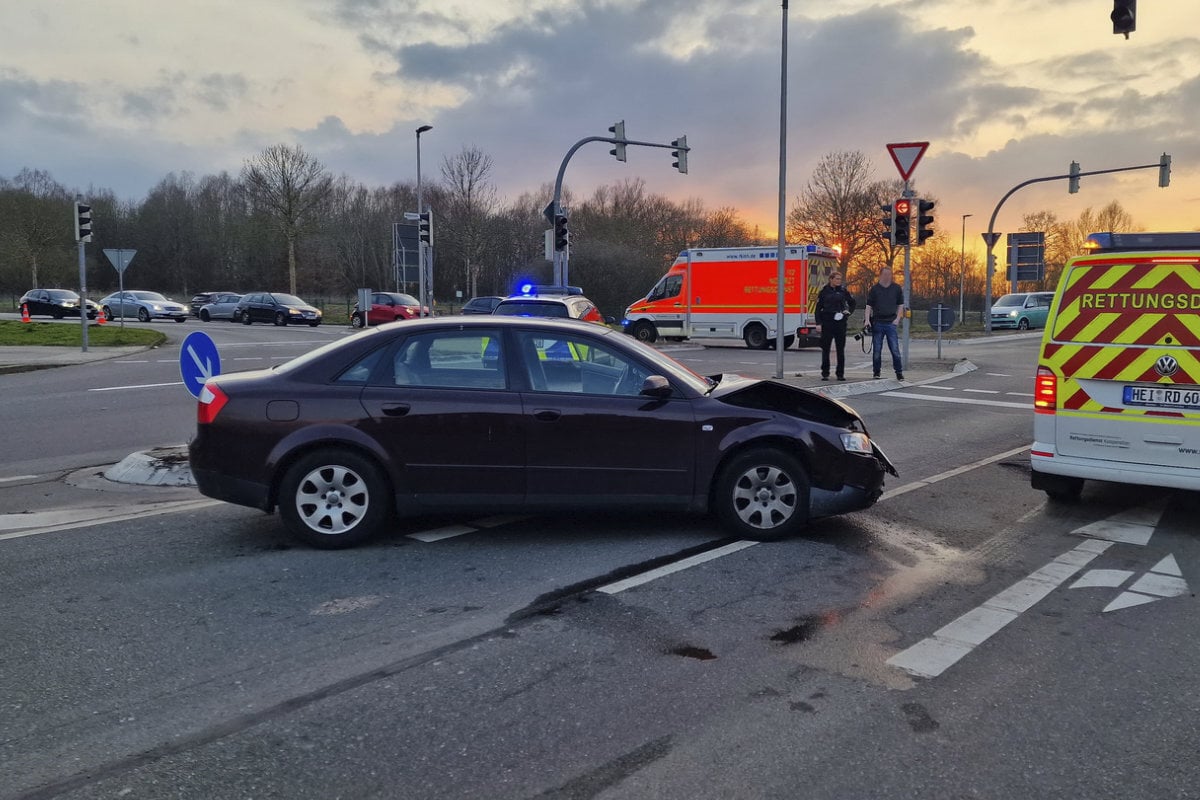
83 222
1124 16
618 132
900 212
425 228
562 237
1073 182
924 220
1164 171
680 154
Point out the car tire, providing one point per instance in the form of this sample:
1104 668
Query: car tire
181 319
1023 324
334 498
107 312
1058 488
143 315
246 317
205 316
314 324
356 320
56 314
645 332
762 494
755 336
280 319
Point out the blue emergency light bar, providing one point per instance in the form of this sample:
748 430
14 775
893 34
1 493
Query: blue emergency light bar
535 290
1125 242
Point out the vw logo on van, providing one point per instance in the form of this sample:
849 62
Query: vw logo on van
1166 366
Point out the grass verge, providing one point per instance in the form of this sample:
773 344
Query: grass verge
64 334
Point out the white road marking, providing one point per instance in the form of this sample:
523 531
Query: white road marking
437 534
935 654
983 391
133 361
139 386
941 476
17 478
83 518
966 400
646 577
940 388
997 374
1019 394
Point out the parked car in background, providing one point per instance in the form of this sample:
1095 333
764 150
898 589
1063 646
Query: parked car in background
480 305
221 305
277 308
388 307
203 298
57 303
143 305
417 418
1022 311
566 302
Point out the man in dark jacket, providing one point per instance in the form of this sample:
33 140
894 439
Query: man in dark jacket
834 306
885 309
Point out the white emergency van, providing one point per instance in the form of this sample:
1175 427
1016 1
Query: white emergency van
1117 391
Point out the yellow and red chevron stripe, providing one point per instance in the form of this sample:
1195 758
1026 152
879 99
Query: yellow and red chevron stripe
1137 303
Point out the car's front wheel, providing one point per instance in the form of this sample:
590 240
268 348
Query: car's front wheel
645 332
246 317
763 494
107 312
280 318
334 498
143 315
205 316
1023 324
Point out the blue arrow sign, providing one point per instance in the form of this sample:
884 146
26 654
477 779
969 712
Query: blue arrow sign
198 361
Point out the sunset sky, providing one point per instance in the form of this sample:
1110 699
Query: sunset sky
118 94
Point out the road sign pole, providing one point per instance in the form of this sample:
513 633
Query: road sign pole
83 295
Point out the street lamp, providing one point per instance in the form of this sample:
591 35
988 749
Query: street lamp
421 249
962 268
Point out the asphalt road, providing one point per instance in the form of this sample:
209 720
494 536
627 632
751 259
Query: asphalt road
962 638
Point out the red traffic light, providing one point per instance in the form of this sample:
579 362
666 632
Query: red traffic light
902 208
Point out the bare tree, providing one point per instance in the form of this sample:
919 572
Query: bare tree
469 204
37 215
288 184
839 206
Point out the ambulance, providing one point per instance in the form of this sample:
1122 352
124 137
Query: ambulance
732 292
1117 391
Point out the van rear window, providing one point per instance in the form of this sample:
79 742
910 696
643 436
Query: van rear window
1131 303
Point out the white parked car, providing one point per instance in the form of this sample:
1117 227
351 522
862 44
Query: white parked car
143 305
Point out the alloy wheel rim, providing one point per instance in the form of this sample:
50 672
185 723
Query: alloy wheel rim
765 497
332 499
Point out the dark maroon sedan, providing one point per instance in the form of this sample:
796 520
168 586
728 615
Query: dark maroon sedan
522 414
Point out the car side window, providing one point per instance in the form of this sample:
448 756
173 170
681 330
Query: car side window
450 359
1043 300
574 364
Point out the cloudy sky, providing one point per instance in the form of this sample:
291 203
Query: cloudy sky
118 93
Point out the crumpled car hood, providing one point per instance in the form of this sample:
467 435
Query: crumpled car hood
771 395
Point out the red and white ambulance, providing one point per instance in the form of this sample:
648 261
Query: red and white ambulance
732 292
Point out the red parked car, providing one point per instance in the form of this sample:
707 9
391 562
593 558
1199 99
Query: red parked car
388 307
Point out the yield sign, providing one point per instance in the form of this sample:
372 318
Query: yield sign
906 155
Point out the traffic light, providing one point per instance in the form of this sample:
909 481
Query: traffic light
618 132
924 220
1124 16
562 237
83 222
888 220
1164 171
680 155
1073 182
900 212
425 228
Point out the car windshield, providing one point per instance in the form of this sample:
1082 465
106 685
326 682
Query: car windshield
406 300
531 308
288 300
62 294
1011 300
148 296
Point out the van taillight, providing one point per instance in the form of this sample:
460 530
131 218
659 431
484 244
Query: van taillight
1045 391
210 403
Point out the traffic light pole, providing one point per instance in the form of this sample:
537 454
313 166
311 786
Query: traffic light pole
989 238
555 207
908 193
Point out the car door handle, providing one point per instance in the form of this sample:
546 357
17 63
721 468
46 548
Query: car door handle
396 409
546 414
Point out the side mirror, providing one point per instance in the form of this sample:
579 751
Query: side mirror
656 386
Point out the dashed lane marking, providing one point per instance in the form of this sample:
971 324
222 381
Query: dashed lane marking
138 386
983 391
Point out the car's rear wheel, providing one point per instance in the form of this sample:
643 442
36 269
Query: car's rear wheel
143 315
280 318
205 316
334 498
763 494
755 336
1058 488
57 314
356 320
645 332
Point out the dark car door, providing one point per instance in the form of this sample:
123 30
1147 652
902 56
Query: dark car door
445 413
39 303
590 435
